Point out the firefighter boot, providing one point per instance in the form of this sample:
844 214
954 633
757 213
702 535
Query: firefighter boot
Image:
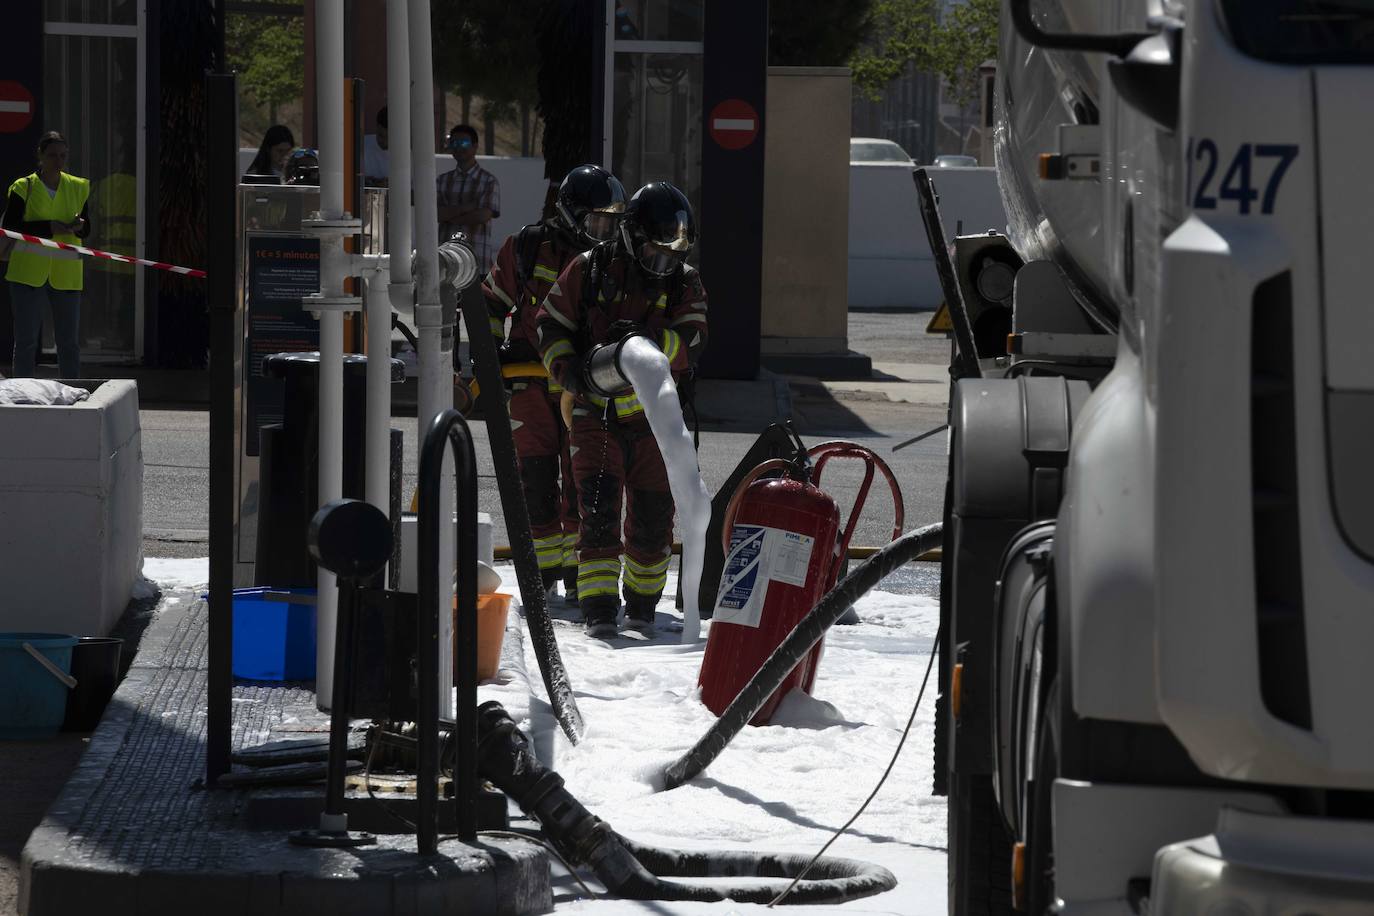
601 612
639 613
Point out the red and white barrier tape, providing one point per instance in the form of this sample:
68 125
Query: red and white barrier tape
107 255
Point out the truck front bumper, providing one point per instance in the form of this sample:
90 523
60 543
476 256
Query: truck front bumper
1269 864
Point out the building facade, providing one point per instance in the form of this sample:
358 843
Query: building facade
122 80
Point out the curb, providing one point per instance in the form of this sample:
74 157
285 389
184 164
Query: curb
102 848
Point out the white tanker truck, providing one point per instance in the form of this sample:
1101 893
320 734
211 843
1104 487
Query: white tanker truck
1158 585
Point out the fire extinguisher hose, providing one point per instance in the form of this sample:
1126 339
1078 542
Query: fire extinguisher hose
636 871
808 631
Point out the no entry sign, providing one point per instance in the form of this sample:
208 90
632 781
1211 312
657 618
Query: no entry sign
733 124
16 107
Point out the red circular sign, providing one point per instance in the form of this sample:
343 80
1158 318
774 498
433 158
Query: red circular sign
16 107
733 124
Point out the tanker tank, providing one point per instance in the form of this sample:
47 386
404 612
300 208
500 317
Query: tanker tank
1059 221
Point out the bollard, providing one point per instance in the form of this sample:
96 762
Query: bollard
351 539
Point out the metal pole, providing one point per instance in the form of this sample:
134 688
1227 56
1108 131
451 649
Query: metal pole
221 186
607 94
338 715
329 39
399 217
435 331
378 447
465 661
427 638
400 287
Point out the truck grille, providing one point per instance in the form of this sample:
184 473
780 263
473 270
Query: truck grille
1274 477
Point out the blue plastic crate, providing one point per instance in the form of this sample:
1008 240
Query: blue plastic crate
274 634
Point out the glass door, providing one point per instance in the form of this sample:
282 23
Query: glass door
93 94
656 92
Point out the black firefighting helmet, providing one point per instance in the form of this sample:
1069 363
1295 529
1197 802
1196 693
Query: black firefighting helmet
590 201
302 167
658 229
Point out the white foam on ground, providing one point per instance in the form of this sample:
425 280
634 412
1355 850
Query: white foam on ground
784 787
175 572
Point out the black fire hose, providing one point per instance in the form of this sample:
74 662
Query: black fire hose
807 633
634 871
487 366
829 880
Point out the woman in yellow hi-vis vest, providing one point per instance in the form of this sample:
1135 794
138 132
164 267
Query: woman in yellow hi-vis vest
52 204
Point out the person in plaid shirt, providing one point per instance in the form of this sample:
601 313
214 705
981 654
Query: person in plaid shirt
469 196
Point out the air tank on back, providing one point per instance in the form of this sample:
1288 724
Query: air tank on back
1044 98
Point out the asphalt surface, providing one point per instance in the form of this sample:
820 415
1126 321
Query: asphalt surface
906 397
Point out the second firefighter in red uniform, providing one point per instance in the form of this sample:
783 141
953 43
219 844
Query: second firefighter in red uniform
588 207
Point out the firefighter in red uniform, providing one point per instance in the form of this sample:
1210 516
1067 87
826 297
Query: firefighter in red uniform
639 283
588 207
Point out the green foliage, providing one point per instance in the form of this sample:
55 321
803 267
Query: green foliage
914 32
564 38
268 52
816 33
903 32
967 38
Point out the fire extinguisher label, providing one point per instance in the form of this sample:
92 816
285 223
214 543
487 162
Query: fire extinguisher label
789 556
759 555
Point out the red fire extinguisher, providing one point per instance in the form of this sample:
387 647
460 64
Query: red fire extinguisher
783 552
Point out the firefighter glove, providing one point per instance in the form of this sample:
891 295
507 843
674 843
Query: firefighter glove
572 380
623 328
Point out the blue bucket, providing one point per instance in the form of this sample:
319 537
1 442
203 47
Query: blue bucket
274 634
34 700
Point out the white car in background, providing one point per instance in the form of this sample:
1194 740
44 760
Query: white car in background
874 150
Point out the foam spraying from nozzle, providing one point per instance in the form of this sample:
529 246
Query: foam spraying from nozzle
646 368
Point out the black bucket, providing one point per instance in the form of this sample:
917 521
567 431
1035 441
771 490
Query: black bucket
95 665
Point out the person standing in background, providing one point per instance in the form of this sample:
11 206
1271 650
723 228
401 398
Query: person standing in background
51 204
469 197
268 164
376 160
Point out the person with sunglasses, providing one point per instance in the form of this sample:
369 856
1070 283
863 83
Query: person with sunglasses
469 196
637 283
587 212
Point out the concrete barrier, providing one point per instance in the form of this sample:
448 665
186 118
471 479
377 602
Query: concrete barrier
890 263
71 510
410 529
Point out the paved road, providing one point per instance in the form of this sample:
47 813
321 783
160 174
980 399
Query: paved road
907 397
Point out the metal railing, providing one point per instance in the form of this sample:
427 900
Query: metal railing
448 429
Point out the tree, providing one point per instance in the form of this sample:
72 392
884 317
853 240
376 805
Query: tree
816 33
565 36
966 39
487 47
187 42
269 54
914 32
